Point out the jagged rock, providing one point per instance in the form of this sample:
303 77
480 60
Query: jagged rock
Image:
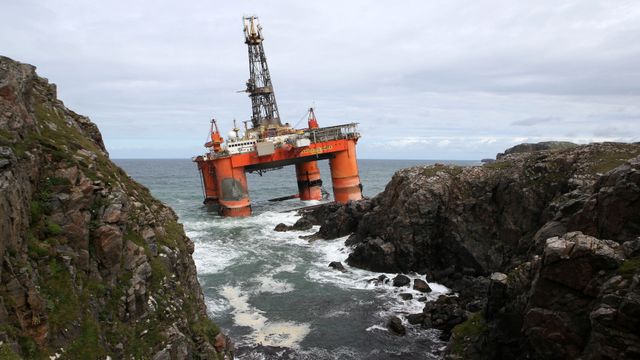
405 296
112 213
415 319
281 227
631 248
395 325
337 265
443 314
75 258
497 294
109 245
510 218
302 224
421 285
401 280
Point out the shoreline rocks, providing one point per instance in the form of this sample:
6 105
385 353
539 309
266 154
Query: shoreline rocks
514 239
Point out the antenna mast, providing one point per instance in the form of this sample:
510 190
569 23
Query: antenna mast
259 87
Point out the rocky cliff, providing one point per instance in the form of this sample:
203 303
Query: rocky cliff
91 264
539 240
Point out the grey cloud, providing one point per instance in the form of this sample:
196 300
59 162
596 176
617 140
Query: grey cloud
154 72
532 121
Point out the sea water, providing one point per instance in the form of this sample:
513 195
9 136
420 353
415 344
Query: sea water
273 292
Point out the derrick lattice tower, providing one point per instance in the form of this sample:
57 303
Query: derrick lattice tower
259 87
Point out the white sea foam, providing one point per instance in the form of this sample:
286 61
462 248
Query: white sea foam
217 306
212 257
265 332
376 327
271 285
354 278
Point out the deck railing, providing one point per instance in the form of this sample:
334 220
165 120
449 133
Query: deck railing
338 132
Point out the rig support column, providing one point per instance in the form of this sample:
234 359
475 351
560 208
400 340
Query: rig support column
209 182
232 189
309 181
344 175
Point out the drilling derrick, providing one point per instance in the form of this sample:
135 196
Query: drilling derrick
270 145
259 87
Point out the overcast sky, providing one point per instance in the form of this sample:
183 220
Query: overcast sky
425 79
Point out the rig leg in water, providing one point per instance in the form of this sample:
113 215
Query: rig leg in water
309 182
344 175
209 182
232 188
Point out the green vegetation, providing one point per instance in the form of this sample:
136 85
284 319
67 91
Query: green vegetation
6 353
499 165
87 345
629 267
173 232
606 161
63 304
52 229
206 328
467 332
29 348
35 248
432 170
135 238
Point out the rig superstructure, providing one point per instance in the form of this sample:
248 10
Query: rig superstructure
269 144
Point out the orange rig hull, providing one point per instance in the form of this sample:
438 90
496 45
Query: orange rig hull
225 183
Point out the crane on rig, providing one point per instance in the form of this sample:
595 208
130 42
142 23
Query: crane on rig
269 144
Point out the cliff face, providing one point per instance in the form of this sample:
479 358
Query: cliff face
478 220
541 246
91 264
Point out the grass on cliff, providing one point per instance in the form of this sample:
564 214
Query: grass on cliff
499 165
629 267
6 353
432 170
467 333
604 161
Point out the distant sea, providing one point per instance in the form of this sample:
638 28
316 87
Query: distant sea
274 289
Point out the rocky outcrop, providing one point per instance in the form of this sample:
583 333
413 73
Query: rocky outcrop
446 220
541 146
580 299
541 247
91 264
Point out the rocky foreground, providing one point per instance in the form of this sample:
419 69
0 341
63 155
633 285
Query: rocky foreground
91 264
542 247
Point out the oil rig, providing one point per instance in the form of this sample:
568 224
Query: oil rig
268 144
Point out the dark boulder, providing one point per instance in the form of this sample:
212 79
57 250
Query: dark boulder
281 227
302 224
337 265
421 285
415 319
394 324
401 280
406 296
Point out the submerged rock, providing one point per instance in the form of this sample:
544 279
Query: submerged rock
281 227
395 325
337 265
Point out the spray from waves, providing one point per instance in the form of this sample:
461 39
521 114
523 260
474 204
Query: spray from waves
265 332
358 279
267 284
251 267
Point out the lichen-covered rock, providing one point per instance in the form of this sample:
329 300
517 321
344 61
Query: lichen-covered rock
90 262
